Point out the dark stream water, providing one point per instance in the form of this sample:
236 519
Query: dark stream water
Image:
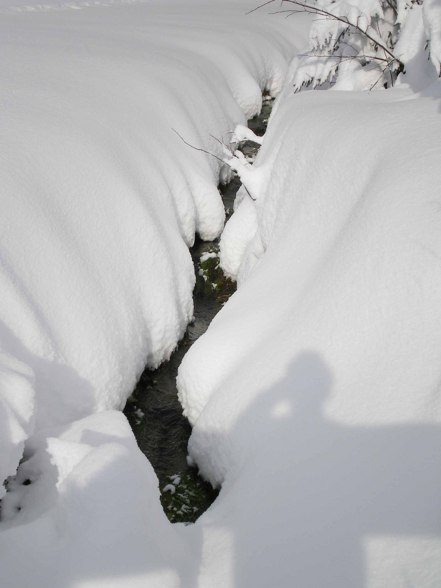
153 410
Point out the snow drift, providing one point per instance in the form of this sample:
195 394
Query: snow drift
101 199
315 392
90 514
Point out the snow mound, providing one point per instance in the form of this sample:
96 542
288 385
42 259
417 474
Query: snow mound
16 413
86 512
315 391
101 197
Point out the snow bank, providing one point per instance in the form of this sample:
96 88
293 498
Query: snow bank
90 514
100 201
360 45
315 391
101 198
16 413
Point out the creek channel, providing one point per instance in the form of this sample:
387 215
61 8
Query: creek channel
153 410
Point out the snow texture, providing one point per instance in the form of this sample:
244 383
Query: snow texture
89 514
101 198
353 43
432 21
315 392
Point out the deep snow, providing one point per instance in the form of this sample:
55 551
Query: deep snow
315 391
100 201
100 198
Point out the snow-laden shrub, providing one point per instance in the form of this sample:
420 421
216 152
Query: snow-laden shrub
353 43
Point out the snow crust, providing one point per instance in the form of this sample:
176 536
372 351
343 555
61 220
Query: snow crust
315 391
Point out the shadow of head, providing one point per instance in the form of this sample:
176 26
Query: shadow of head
304 389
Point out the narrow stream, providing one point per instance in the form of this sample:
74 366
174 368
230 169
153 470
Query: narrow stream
153 410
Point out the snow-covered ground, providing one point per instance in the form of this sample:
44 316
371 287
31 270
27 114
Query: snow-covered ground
100 201
100 197
315 392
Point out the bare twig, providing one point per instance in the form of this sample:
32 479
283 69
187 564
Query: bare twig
346 21
198 148
318 11
248 192
383 71
392 5
212 155
261 6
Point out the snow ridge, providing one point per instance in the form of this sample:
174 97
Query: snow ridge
100 202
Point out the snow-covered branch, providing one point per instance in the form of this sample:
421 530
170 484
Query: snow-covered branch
353 42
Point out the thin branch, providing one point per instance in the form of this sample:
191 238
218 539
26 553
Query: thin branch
343 19
221 142
217 139
260 6
198 148
212 155
383 71
248 192
391 5
346 57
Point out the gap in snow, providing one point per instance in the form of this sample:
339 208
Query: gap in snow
153 410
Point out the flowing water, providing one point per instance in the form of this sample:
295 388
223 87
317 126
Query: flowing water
153 410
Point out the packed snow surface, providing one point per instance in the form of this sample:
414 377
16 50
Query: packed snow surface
315 392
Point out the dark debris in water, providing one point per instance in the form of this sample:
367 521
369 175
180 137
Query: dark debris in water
153 410
186 496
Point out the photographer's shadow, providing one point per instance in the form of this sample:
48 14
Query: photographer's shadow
324 488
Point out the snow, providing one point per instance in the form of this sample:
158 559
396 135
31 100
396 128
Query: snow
314 393
16 412
360 45
100 201
411 50
432 22
101 524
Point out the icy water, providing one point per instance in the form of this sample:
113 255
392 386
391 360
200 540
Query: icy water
153 410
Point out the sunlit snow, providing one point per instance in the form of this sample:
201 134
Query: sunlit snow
315 392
